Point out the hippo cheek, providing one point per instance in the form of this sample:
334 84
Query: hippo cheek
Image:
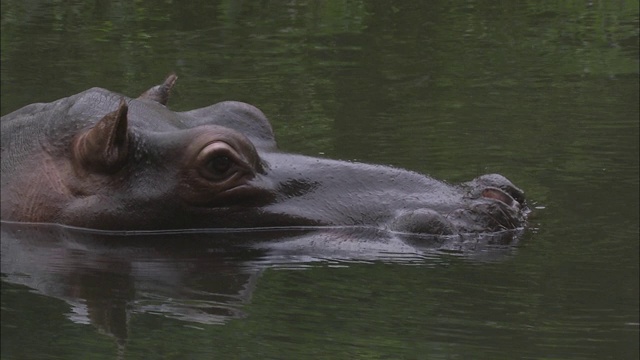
422 221
243 192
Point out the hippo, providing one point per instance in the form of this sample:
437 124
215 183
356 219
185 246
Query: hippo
101 160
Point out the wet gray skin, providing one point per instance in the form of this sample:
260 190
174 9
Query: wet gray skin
102 160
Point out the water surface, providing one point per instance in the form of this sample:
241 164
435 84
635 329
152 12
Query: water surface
543 93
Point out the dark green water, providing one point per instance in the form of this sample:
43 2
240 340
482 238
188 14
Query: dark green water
545 93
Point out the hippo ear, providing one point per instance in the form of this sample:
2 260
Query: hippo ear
160 93
104 148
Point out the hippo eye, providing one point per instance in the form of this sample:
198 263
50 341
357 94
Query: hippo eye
220 164
218 161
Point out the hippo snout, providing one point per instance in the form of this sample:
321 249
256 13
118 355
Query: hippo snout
488 203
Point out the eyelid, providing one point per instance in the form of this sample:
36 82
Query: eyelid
214 147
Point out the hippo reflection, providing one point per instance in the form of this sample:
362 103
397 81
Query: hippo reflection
109 278
101 160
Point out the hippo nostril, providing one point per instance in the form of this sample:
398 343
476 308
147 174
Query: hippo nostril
514 192
495 181
498 194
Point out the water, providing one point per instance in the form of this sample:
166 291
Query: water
544 93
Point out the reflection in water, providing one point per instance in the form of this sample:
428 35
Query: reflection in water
198 277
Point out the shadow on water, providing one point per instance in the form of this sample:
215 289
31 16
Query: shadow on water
202 276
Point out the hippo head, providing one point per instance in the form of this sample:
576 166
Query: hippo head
104 161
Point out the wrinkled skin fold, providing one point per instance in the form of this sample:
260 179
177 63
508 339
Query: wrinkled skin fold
102 160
